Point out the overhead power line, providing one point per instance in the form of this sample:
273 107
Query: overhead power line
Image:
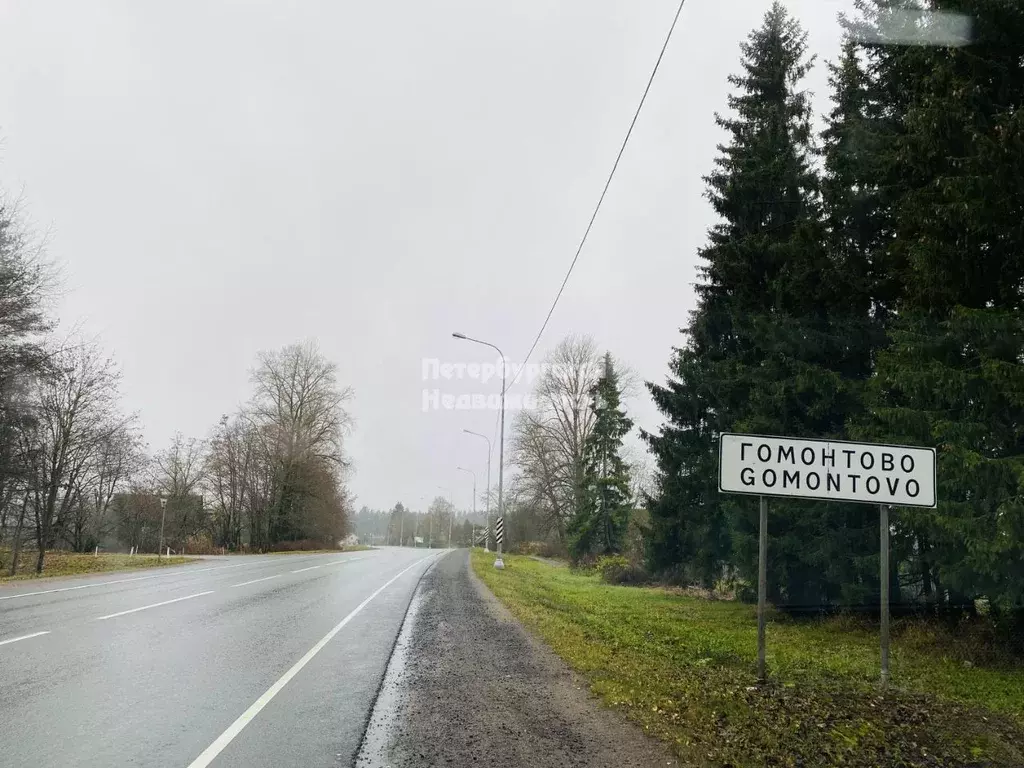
604 192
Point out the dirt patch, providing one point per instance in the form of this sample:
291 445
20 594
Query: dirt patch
476 689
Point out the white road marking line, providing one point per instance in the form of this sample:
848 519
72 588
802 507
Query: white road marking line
120 581
24 637
346 560
186 572
154 605
254 581
80 586
333 562
211 752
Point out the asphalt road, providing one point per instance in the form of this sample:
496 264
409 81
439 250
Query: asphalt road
254 661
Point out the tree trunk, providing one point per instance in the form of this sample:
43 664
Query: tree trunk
77 535
17 536
5 513
44 529
926 576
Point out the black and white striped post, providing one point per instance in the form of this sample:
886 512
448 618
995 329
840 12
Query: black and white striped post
500 539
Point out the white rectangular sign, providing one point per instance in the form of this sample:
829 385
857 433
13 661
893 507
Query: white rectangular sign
872 473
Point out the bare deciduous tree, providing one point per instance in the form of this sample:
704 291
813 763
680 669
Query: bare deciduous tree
298 396
117 457
178 472
276 470
26 283
299 409
77 415
229 463
548 442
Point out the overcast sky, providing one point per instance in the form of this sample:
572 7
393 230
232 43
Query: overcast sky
227 176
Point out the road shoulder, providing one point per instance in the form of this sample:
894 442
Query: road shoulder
468 684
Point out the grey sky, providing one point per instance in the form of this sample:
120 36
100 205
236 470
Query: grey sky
223 177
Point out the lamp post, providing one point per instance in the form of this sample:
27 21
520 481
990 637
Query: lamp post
487 529
498 563
462 469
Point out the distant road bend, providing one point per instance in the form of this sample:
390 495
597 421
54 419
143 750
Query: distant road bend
256 661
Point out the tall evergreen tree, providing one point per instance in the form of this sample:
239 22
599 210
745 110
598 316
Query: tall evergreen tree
953 373
857 231
770 348
599 526
24 283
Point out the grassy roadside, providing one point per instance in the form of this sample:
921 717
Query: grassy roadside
682 668
77 564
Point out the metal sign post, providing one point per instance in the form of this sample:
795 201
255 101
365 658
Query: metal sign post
762 586
883 516
832 470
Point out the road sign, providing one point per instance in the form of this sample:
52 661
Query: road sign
499 530
836 470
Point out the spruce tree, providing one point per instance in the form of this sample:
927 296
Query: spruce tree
600 524
952 375
857 231
762 352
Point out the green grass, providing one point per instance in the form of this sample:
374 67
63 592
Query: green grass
76 564
683 668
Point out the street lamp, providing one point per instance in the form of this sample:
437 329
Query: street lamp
498 563
487 532
461 469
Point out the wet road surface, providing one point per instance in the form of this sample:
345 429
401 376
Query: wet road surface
240 661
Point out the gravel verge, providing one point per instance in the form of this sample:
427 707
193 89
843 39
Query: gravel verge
468 685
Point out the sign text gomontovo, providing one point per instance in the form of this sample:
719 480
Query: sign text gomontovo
827 469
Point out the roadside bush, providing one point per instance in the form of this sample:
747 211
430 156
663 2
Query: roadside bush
746 593
732 587
530 548
201 545
616 569
552 549
300 545
539 549
637 532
